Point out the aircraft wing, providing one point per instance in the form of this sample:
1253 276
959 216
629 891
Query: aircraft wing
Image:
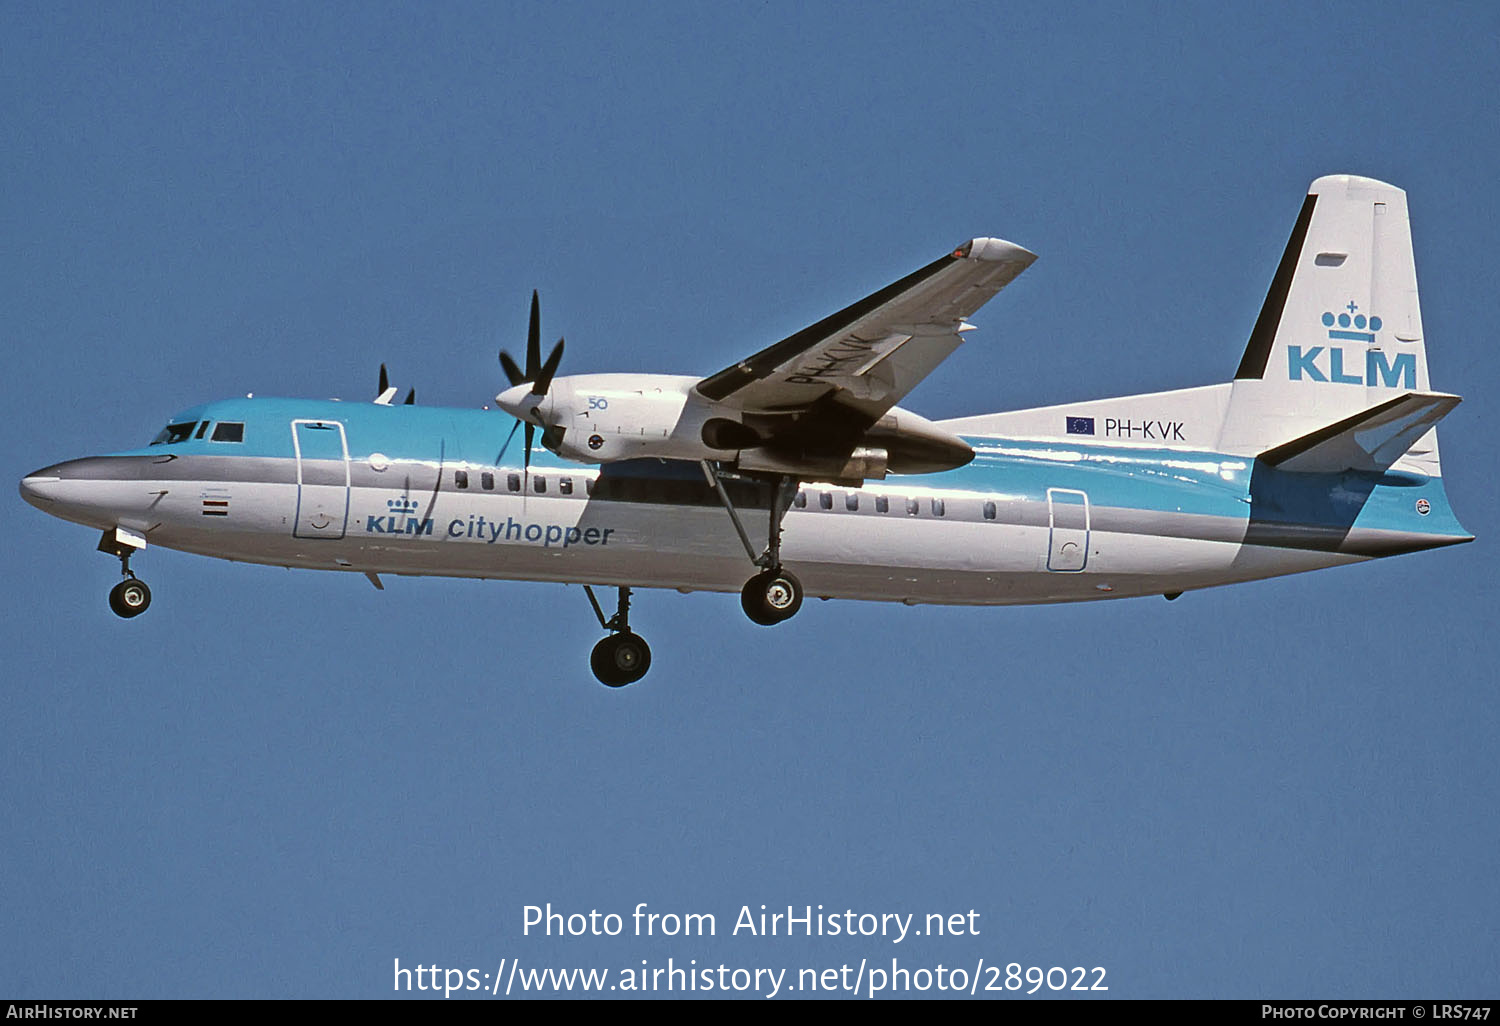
867 356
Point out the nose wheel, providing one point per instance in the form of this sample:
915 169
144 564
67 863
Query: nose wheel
620 659
129 598
623 657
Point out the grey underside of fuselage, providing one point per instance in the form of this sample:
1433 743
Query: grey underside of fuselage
959 557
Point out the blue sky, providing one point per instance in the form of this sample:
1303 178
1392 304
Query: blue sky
276 782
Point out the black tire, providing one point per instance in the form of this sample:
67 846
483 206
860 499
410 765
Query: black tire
754 607
771 597
620 659
129 598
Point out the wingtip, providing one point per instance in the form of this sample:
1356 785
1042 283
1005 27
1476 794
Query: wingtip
995 250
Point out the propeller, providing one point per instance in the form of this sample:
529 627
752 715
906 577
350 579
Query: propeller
386 393
538 373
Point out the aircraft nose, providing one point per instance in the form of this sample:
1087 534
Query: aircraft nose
40 486
95 489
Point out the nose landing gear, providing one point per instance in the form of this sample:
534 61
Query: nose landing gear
620 659
130 597
623 657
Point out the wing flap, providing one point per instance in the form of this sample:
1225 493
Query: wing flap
1371 441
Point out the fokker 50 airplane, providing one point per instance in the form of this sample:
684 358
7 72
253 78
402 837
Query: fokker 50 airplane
1321 451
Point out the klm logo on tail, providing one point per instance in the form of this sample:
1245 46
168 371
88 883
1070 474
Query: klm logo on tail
1328 363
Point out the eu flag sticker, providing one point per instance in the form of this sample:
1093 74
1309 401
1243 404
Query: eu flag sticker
1080 425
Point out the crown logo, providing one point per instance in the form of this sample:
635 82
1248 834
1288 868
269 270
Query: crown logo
1338 326
401 505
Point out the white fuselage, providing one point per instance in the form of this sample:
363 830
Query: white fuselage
430 491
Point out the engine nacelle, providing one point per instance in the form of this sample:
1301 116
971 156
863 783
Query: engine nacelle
862 464
602 418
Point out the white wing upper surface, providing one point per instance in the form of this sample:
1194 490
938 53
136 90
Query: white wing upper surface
866 357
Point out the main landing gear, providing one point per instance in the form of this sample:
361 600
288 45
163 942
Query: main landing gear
771 596
130 597
774 594
623 657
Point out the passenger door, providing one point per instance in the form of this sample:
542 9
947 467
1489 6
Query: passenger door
322 478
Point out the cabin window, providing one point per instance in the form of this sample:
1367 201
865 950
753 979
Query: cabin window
588 486
913 507
228 431
882 504
202 429
989 511
565 485
461 478
938 508
539 484
487 481
513 482
174 433
800 501
851 501
825 500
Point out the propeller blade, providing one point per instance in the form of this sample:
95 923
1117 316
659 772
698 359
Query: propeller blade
501 454
386 393
544 379
534 339
530 433
511 370
411 398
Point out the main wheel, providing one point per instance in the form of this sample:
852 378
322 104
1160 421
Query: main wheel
620 659
129 598
772 596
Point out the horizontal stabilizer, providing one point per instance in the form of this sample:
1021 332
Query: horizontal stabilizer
1371 441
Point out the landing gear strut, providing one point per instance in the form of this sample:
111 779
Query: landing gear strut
774 594
623 657
131 596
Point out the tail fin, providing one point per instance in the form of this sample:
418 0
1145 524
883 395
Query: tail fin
1341 328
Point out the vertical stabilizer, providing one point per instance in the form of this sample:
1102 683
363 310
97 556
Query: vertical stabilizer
1341 328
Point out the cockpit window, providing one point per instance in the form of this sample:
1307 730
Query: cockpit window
202 429
174 433
229 431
